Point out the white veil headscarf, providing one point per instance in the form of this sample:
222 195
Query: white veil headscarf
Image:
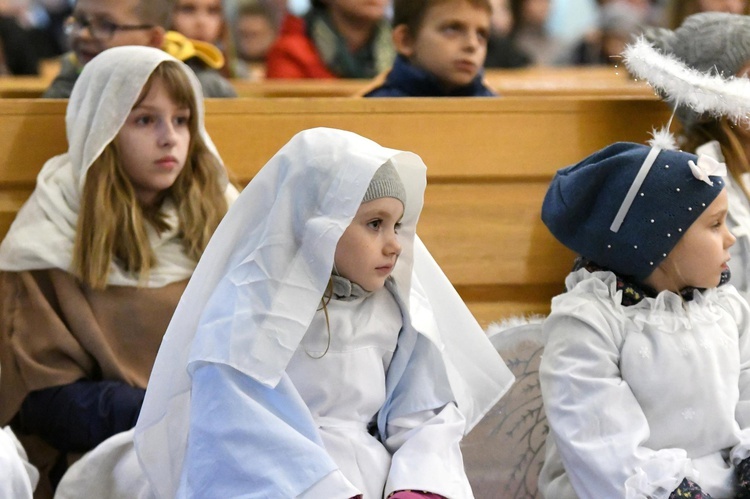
43 234
262 276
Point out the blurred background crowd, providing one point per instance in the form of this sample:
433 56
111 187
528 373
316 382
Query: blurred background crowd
524 32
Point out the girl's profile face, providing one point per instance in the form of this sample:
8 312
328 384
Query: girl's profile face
701 255
199 19
367 251
153 143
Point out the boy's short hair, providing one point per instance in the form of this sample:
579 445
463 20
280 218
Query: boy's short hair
412 12
257 8
156 12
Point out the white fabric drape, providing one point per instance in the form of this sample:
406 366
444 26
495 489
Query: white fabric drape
639 397
259 283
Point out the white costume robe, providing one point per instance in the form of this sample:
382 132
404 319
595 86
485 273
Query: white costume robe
639 397
19 477
235 407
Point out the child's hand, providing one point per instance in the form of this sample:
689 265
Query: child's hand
689 490
742 472
412 494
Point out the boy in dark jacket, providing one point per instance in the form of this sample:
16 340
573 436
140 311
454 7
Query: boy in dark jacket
441 47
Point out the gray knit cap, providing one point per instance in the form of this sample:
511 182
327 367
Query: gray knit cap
386 184
712 42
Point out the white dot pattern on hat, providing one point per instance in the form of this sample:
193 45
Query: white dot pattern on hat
652 224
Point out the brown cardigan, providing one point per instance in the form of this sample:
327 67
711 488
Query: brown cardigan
53 331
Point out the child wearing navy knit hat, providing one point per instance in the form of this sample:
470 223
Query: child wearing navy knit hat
646 372
717 43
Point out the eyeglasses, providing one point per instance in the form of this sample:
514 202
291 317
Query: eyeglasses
99 28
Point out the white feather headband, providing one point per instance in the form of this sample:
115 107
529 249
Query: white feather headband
681 85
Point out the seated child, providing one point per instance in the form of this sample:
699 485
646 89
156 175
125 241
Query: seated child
441 47
646 372
255 30
305 358
97 25
96 260
335 39
199 19
203 23
701 45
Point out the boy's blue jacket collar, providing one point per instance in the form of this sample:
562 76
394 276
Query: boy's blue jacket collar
407 80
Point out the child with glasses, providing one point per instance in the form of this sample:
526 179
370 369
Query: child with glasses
97 25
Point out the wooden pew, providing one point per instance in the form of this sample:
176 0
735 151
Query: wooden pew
593 81
22 87
298 88
572 82
489 162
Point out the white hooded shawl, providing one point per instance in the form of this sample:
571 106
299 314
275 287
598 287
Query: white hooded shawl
43 233
260 281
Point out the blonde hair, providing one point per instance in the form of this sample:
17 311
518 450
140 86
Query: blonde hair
112 223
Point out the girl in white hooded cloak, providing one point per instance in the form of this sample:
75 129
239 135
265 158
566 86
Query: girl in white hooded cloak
302 361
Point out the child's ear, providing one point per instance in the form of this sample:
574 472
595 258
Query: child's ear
403 40
156 37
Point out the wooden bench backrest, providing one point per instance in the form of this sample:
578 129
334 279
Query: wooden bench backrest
489 162
555 82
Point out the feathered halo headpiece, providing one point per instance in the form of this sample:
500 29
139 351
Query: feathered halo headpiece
679 85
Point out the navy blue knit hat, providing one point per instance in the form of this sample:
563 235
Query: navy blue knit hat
626 206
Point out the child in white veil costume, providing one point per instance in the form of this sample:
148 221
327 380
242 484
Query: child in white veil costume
240 326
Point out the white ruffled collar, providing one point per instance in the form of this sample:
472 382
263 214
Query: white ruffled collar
667 308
